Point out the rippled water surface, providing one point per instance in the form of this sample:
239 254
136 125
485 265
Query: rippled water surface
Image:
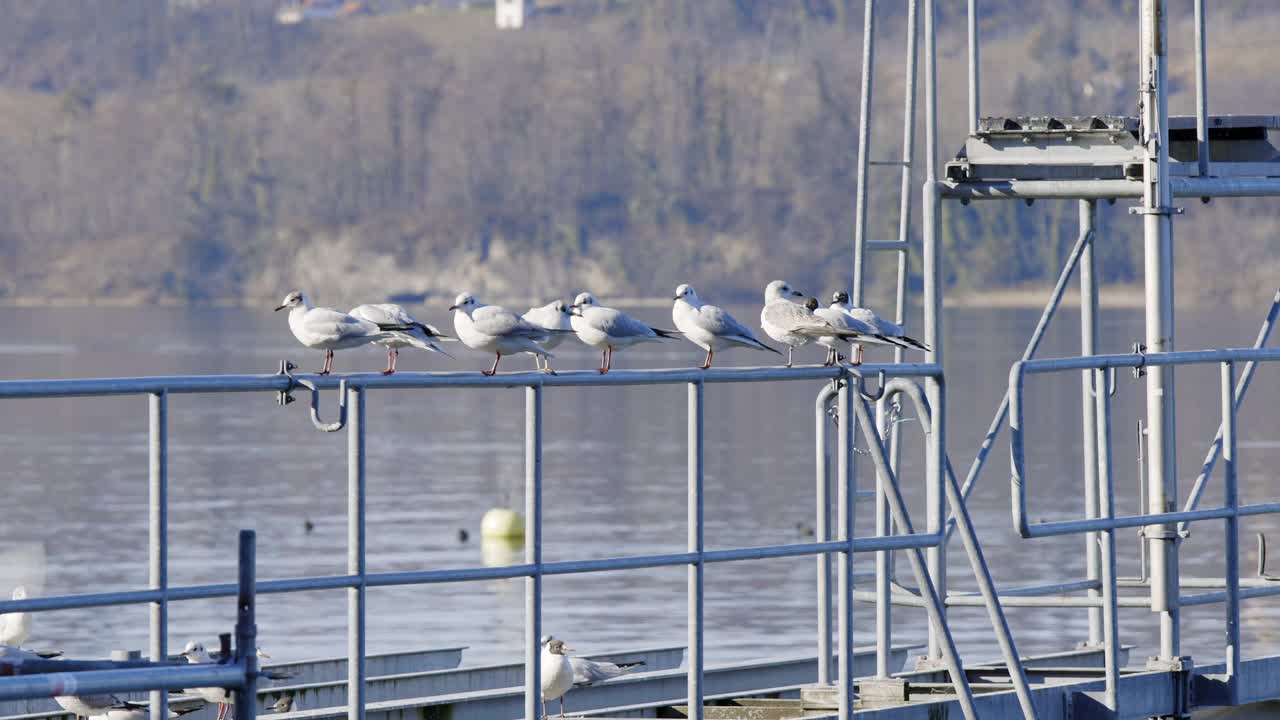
75 488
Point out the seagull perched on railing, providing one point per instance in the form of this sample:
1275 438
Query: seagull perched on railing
327 329
556 672
419 334
490 328
15 627
891 330
710 327
836 315
586 672
195 654
552 316
791 324
609 329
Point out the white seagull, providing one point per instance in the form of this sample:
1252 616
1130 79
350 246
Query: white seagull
142 713
552 316
791 324
83 706
710 327
891 330
587 671
840 319
195 654
329 330
490 328
556 672
419 334
609 329
15 627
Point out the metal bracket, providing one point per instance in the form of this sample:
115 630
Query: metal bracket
868 396
1182 663
284 397
1165 210
1139 370
319 424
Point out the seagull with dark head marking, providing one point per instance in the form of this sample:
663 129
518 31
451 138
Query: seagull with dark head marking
555 315
495 329
891 330
791 324
419 334
327 329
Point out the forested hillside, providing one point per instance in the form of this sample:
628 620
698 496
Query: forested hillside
197 151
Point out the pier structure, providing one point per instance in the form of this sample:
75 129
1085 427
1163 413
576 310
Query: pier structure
1153 158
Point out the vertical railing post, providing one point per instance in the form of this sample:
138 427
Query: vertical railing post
1088 346
932 212
1106 540
695 569
1230 469
246 648
356 552
1157 210
822 531
864 139
974 100
158 523
1202 93
533 552
846 481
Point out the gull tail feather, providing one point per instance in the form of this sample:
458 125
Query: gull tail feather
666 333
426 344
912 343
432 332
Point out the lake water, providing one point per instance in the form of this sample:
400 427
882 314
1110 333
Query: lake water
75 485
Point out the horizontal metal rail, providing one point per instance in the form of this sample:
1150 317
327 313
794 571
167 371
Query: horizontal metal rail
101 682
1107 189
1103 362
187 384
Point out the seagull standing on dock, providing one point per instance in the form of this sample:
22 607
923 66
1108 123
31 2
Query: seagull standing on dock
552 316
586 672
791 324
490 328
609 329
836 315
195 654
710 327
15 627
556 672
891 330
329 330
419 334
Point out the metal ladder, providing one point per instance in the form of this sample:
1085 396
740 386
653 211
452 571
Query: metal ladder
901 247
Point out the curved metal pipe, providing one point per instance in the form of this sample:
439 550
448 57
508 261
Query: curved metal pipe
319 424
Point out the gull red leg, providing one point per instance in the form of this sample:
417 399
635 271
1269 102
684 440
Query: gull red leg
604 355
706 364
494 369
391 363
328 363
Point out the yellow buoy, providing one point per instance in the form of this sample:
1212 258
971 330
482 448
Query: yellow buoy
502 523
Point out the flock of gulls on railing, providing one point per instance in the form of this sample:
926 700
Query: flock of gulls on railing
559 672
497 330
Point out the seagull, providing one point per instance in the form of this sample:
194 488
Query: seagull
420 335
284 704
142 713
195 654
556 671
891 330
329 330
552 316
609 329
15 627
587 671
710 327
792 324
83 706
490 328
840 319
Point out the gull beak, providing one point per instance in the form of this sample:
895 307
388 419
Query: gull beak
677 297
453 307
280 308
796 293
